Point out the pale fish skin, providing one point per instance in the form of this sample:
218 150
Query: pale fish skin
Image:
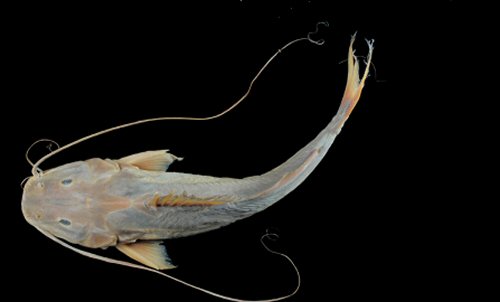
98 203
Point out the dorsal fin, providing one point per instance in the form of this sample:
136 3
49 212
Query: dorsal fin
185 200
150 160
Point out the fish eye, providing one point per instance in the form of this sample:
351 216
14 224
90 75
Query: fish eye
64 222
66 182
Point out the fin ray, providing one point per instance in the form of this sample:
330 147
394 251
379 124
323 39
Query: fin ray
149 253
158 160
183 200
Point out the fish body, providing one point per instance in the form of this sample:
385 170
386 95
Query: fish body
121 203
132 202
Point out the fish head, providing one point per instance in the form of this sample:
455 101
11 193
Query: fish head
57 201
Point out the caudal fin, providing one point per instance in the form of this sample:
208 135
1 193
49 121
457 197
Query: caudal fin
354 84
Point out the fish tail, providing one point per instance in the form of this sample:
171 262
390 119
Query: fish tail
354 84
266 189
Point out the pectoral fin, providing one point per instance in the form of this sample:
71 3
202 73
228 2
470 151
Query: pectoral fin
150 160
149 253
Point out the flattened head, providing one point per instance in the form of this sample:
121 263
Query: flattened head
59 201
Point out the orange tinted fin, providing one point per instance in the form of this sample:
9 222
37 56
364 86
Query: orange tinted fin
149 253
150 160
355 85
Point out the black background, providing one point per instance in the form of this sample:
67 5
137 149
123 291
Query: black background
358 227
